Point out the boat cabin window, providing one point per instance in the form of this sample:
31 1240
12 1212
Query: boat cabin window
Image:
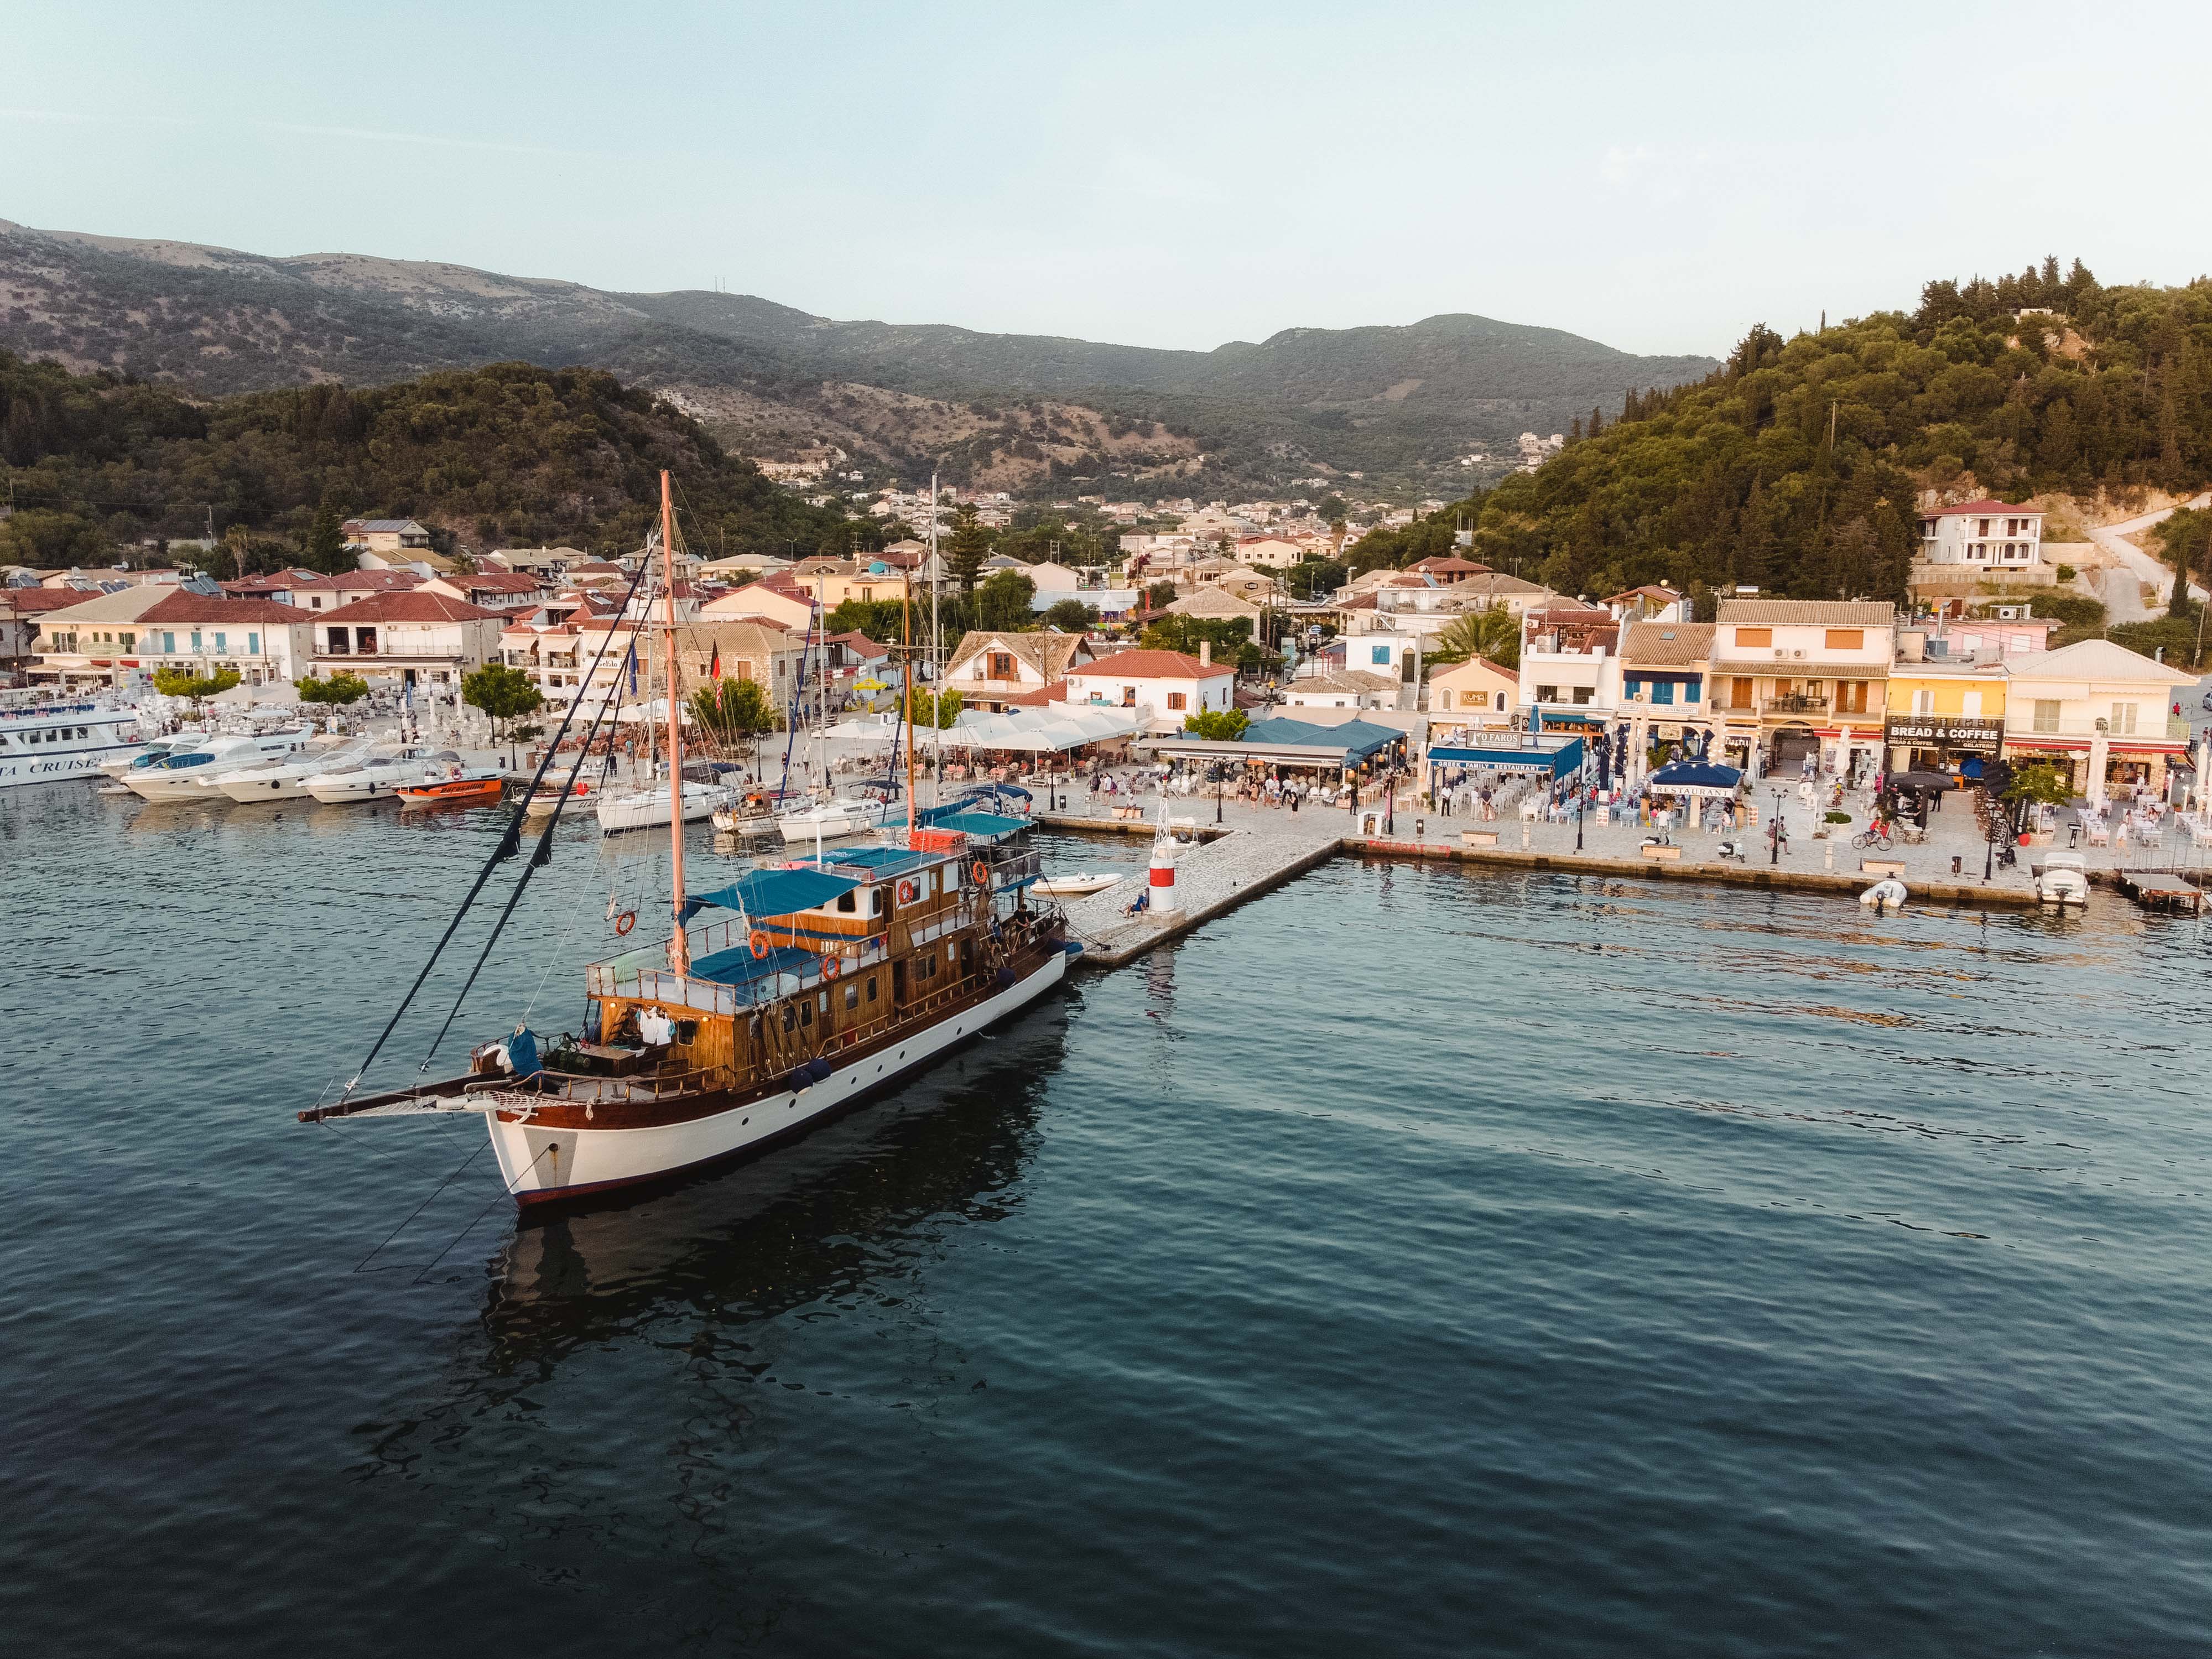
852 996
806 1013
790 1017
824 1000
871 988
687 1031
848 903
754 1029
592 1020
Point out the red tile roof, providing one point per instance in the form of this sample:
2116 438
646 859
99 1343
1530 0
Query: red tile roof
199 608
409 608
1152 665
25 600
1056 692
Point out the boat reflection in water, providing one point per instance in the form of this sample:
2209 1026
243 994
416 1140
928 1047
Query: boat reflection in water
843 1225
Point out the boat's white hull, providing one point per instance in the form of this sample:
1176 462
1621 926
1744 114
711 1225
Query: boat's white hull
333 792
61 766
154 784
255 790
544 1164
650 812
848 818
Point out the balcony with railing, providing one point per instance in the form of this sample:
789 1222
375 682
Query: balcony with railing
1794 703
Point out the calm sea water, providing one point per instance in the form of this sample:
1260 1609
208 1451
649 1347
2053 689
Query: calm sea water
1416 1261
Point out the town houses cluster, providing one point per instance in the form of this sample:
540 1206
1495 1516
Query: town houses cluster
1854 687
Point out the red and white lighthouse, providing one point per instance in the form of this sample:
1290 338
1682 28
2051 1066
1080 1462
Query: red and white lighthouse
1164 900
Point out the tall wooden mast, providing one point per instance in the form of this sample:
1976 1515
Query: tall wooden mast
679 954
905 689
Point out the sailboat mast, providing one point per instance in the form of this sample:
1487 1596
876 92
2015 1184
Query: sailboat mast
936 669
679 954
906 692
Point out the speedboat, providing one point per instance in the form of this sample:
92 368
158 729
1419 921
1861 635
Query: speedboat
285 777
472 787
1888 894
1073 886
377 778
176 776
2062 879
647 808
547 796
159 748
833 819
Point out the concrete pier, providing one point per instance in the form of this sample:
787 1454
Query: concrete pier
1256 852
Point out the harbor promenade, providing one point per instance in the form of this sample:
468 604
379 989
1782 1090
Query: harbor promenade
1259 848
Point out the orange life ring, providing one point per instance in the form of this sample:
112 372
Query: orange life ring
908 892
761 944
625 921
832 966
981 872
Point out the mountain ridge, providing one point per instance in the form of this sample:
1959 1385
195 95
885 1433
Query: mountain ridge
1398 400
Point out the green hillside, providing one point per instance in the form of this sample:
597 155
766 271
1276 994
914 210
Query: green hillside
1797 466
505 455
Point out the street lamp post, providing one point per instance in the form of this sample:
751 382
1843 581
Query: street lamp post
1219 776
1579 796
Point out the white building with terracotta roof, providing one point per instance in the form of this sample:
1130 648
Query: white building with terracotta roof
994 670
1165 686
493 590
413 638
1986 534
262 642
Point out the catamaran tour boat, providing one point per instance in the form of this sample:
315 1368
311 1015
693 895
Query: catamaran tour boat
48 741
827 980
379 777
176 776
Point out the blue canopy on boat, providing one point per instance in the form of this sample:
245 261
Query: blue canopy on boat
772 892
984 826
739 966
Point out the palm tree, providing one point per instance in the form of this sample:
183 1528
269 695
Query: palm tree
1491 632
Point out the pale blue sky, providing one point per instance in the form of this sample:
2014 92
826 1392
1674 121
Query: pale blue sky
1655 176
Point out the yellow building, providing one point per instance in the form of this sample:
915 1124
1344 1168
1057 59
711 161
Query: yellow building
1944 713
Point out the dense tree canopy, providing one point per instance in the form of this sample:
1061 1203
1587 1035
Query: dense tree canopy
507 455
1797 466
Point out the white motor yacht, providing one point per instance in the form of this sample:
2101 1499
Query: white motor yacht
176 776
647 808
46 742
138 759
378 777
286 778
833 820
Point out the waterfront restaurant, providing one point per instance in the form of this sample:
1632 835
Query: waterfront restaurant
1547 755
1284 745
2099 713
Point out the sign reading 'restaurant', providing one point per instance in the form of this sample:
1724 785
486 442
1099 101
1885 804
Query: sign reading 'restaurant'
1965 736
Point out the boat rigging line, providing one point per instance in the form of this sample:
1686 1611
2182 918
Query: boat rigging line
541 856
510 843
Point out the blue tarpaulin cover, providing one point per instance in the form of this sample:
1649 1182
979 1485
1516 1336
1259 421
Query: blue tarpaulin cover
987 826
773 892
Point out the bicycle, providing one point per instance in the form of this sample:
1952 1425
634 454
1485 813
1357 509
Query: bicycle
1875 835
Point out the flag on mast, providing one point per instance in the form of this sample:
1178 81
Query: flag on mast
714 667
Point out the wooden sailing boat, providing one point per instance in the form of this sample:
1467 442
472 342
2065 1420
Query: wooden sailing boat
824 980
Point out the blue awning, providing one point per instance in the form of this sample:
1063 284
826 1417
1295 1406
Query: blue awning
1567 757
1695 778
772 892
984 826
